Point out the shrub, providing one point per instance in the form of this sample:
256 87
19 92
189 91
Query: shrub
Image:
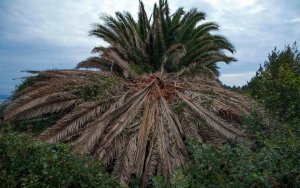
277 84
31 163
268 161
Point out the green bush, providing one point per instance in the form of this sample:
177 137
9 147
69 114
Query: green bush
277 84
31 163
269 160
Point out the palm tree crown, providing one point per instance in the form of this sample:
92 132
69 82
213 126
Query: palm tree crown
156 88
179 43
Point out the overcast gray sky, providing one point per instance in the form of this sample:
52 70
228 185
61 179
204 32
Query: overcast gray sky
43 34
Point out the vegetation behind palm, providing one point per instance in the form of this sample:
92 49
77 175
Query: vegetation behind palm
277 83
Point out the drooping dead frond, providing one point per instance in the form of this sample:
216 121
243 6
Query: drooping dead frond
213 120
138 130
96 62
73 122
54 91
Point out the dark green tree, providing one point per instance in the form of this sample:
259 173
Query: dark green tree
277 84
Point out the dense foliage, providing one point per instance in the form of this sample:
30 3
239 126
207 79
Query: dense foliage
30 163
271 159
277 83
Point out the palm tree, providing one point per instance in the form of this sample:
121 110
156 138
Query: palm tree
157 87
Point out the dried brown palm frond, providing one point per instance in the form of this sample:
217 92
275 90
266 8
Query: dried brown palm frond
138 130
53 91
96 62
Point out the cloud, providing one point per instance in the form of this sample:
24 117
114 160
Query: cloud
66 23
37 34
237 79
294 20
63 23
232 4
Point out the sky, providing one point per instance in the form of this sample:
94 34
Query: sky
53 34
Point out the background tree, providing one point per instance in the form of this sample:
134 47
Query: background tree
277 84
